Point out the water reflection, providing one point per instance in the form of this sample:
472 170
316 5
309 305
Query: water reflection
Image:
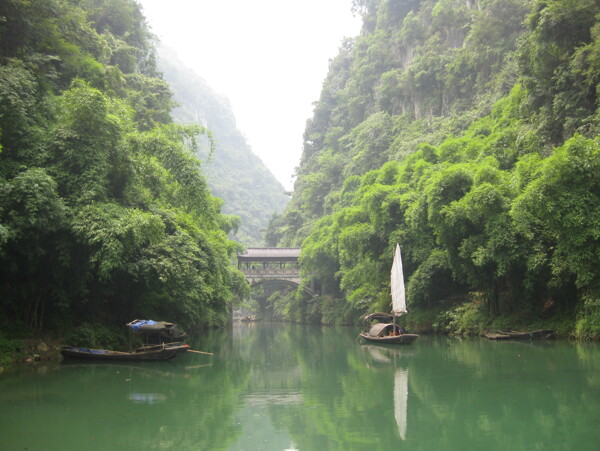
285 398
142 406
147 398
401 400
385 354
282 386
397 357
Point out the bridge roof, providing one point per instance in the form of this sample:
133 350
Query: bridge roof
270 253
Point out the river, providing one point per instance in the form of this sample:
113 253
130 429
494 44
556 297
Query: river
273 386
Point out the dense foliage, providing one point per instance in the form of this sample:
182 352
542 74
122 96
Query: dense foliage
104 213
466 131
233 172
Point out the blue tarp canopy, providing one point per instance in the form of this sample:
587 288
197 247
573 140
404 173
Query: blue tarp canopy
157 331
139 323
90 351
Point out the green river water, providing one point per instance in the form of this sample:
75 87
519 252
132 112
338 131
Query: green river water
291 387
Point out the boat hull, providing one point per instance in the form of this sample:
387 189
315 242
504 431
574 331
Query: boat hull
404 339
142 354
513 335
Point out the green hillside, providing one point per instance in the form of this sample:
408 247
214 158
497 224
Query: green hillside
466 131
105 215
233 172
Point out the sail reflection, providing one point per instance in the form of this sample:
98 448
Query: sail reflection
386 356
401 400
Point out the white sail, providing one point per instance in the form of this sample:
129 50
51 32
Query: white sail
401 400
397 282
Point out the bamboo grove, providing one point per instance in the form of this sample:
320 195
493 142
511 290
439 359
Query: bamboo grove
104 213
466 131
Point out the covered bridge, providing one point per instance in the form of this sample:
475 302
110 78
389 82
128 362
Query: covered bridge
261 264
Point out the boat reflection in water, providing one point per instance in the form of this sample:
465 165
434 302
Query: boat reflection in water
147 398
382 355
283 398
385 356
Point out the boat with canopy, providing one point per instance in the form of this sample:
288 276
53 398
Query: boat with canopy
161 341
387 331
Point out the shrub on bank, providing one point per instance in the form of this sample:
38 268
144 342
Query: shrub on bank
587 325
9 348
97 336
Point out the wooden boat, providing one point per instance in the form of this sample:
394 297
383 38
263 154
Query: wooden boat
249 319
515 335
386 332
157 352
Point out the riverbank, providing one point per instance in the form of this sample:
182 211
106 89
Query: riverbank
28 351
471 319
18 347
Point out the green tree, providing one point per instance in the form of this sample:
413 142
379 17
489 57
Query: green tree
559 212
104 212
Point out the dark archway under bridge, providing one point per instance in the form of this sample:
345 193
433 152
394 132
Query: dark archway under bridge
272 265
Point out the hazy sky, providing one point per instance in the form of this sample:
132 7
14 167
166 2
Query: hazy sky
269 57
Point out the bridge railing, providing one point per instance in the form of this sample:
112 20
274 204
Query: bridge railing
271 271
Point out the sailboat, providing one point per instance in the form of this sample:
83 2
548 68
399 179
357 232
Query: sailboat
386 332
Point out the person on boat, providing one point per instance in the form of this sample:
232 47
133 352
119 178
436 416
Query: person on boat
395 331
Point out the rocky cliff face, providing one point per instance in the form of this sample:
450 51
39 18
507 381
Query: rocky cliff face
234 173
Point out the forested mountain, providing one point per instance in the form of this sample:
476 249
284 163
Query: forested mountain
466 131
104 213
233 172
